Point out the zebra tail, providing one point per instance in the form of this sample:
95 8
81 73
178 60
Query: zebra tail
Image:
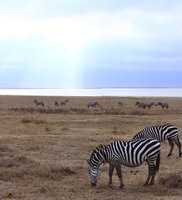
158 161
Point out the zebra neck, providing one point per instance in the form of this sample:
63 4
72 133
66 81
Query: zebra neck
104 157
99 157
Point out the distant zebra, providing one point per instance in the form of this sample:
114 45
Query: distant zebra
120 103
161 133
140 105
39 102
56 103
163 105
148 105
64 102
144 105
67 101
129 153
93 104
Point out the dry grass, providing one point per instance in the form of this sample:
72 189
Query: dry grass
173 180
33 120
43 151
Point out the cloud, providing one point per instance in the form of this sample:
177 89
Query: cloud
90 21
71 32
68 37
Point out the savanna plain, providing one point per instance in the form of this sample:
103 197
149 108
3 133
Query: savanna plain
43 150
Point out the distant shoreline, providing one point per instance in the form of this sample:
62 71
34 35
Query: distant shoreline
117 92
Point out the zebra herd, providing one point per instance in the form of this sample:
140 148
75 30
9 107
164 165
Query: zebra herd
94 104
56 103
144 146
64 102
149 105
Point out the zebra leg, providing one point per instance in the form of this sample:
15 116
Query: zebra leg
118 169
171 145
178 143
151 173
111 168
153 177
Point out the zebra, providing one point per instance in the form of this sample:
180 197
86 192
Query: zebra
140 105
161 133
120 103
93 104
56 103
163 105
148 105
144 105
39 102
67 101
130 153
64 102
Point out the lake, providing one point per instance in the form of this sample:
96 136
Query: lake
129 92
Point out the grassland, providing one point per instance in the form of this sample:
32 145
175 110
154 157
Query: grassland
43 150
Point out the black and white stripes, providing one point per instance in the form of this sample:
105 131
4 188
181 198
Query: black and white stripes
130 153
161 133
39 102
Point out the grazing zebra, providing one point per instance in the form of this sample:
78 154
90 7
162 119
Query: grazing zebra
93 104
64 102
56 103
163 105
148 105
129 153
120 103
161 133
144 105
39 102
140 105
67 101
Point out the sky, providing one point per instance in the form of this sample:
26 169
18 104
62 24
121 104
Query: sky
90 43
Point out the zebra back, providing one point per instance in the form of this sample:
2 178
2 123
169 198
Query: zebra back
161 133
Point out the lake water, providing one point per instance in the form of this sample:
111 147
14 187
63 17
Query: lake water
129 92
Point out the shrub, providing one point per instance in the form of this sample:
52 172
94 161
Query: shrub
33 120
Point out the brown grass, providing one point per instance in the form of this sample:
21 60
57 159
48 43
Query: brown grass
33 120
173 180
43 151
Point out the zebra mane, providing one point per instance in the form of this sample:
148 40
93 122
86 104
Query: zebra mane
100 147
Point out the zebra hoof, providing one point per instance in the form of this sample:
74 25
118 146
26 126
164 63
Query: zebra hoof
146 184
121 186
169 155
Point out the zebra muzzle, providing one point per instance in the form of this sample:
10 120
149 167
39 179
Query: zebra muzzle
93 184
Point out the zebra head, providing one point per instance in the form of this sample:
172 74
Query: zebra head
94 173
97 103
